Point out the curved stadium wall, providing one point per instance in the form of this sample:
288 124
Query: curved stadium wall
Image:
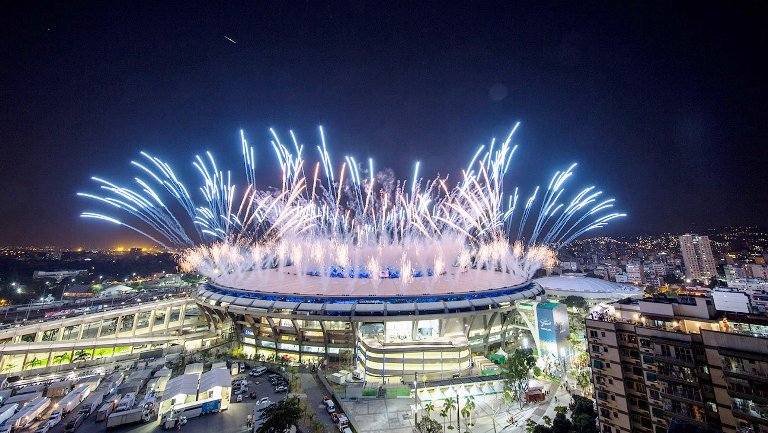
389 336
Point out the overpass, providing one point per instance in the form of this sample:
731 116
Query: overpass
114 334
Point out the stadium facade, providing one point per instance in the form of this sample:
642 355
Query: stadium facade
430 327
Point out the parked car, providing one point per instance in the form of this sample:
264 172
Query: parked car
43 428
55 417
330 407
281 388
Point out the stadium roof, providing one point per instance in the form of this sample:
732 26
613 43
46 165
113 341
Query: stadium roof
578 284
280 281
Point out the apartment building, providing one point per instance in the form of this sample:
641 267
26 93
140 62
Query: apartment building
654 361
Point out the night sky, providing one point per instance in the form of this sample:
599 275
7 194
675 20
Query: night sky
662 104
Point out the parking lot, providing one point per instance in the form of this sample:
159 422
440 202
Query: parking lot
232 420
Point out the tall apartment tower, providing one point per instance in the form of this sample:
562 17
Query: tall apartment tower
659 362
697 257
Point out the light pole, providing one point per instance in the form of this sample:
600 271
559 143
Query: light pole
416 400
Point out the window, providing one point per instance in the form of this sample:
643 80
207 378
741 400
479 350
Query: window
645 343
597 363
595 348
665 350
51 334
593 334
658 413
605 413
650 376
602 334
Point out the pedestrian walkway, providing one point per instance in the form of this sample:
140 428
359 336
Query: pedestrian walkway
491 415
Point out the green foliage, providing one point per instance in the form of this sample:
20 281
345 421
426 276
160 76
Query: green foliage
519 365
583 415
561 424
530 425
584 380
428 425
573 301
279 416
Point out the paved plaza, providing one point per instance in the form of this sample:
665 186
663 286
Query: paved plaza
396 415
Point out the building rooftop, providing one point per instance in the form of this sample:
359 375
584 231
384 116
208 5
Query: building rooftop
286 282
580 285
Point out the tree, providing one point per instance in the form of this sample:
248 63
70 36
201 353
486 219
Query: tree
519 365
584 380
449 406
466 411
429 408
583 415
444 415
561 424
278 417
577 302
428 425
294 384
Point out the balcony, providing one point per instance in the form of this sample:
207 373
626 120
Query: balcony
755 374
746 391
682 394
750 411
694 415
677 376
678 360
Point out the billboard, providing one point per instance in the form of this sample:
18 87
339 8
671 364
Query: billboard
552 324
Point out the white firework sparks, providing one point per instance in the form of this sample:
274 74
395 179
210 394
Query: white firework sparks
355 223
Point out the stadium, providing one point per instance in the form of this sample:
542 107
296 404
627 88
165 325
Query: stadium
395 333
394 276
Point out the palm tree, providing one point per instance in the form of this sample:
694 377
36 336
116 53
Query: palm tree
444 415
428 408
449 405
469 406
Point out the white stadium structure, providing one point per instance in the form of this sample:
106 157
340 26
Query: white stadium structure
587 287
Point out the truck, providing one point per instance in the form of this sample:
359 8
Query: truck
74 398
126 417
8 411
74 423
105 410
29 412
182 412
59 389
91 403
126 402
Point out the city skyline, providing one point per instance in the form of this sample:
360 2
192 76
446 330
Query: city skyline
645 99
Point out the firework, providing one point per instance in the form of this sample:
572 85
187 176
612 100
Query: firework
352 222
